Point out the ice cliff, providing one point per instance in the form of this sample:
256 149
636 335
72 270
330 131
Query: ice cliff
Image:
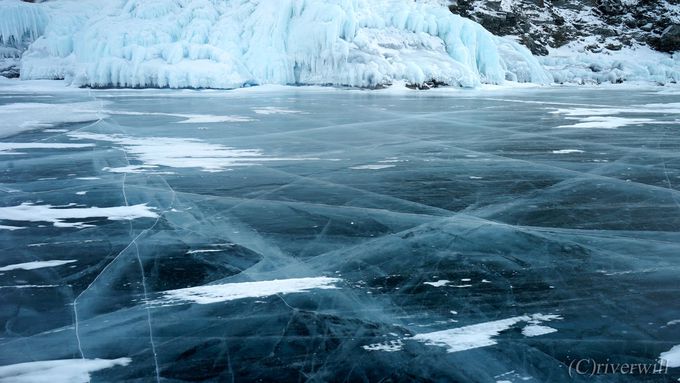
236 43
20 24
227 44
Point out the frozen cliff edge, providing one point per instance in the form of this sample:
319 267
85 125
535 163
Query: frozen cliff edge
229 44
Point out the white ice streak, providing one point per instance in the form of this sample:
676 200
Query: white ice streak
231 291
10 147
439 283
36 265
18 117
274 110
57 371
606 122
180 153
188 118
11 228
57 215
567 151
372 167
480 335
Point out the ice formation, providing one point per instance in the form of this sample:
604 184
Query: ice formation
20 24
231 44
220 44
573 63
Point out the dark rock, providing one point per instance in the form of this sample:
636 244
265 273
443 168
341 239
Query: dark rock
670 39
534 47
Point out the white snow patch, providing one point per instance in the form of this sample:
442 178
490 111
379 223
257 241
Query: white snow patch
35 265
372 167
610 117
537 330
606 122
390 346
18 117
477 335
57 215
506 5
185 153
439 283
231 291
672 356
57 371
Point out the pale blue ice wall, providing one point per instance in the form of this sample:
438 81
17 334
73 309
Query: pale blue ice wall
226 44
20 24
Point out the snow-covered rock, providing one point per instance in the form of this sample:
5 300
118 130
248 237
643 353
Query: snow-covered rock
227 44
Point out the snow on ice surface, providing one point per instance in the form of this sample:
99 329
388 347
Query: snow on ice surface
57 371
218 44
672 357
231 291
481 334
537 330
17 117
35 265
57 215
610 118
186 153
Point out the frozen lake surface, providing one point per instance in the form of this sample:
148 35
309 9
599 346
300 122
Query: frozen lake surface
306 234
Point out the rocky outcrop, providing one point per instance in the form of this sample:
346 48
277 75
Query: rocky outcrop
598 24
